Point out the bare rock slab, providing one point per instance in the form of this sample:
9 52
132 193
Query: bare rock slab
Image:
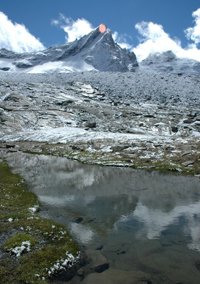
187 163
99 263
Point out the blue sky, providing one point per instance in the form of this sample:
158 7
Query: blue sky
143 26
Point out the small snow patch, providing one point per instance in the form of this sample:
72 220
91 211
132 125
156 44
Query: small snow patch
34 209
25 246
63 264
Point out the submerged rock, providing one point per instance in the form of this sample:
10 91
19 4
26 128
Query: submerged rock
113 276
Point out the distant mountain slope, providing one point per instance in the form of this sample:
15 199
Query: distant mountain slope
93 51
168 62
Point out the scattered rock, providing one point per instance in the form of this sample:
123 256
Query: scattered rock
186 153
174 129
81 273
67 102
5 68
79 220
21 64
81 147
10 145
119 148
131 156
187 163
90 124
188 120
149 115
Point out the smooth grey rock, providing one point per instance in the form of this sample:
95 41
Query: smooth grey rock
187 163
131 156
113 276
90 124
99 263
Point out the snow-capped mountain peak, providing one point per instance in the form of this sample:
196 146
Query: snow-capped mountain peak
95 50
168 62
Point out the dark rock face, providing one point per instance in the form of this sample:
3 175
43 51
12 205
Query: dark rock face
4 53
109 56
90 124
22 64
4 68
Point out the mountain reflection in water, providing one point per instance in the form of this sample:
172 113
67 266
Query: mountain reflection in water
126 211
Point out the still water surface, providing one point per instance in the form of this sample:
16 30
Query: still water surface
140 220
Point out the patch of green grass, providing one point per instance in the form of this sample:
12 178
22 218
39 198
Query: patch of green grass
48 246
17 241
43 263
15 199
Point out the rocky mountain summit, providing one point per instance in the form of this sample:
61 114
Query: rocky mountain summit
168 62
95 50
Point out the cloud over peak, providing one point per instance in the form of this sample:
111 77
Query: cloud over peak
16 37
121 40
153 39
74 29
194 33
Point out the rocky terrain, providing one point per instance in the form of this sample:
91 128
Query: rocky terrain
132 119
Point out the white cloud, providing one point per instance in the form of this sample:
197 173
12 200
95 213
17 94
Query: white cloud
74 29
80 27
194 33
155 39
16 37
121 40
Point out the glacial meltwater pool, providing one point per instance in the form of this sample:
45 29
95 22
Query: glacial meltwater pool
141 221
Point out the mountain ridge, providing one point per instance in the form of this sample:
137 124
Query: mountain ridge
95 50
168 62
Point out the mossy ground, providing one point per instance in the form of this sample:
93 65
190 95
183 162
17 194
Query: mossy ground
51 246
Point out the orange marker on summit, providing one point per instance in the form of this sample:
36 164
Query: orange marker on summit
102 28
